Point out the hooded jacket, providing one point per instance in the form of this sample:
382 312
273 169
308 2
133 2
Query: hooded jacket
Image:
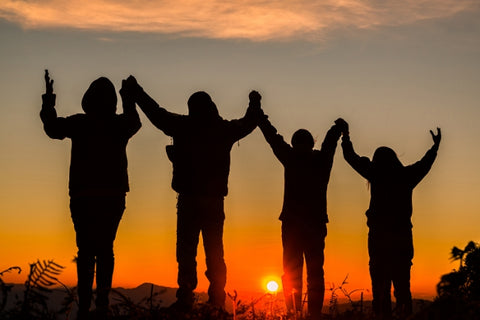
202 142
99 137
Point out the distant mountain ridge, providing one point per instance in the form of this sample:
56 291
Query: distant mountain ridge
149 295
162 296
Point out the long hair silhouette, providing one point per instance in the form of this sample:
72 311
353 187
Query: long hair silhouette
385 160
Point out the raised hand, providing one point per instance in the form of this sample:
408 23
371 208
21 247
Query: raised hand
130 87
255 98
48 98
48 83
342 125
131 82
436 138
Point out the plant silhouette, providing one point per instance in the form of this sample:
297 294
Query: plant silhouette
6 288
463 283
459 254
458 291
33 305
42 276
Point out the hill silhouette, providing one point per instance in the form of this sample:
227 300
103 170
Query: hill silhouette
140 296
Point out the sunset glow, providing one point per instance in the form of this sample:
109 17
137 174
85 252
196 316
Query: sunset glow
272 286
393 70
226 19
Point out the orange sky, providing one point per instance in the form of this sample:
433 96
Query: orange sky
393 71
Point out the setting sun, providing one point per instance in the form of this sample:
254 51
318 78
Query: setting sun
272 286
392 71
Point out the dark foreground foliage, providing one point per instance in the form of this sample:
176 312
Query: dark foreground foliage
458 299
33 304
458 291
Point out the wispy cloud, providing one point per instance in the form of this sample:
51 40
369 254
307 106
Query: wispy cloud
247 19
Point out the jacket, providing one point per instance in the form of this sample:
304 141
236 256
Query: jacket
98 157
391 190
306 176
200 153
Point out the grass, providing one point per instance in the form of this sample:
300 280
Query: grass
458 299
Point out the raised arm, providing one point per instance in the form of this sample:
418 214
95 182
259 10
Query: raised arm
130 115
419 169
55 127
160 118
240 128
277 143
360 164
329 144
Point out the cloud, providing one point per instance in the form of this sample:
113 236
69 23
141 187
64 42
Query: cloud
226 19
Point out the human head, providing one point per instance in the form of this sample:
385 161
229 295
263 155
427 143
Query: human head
100 99
385 158
302 140
200 105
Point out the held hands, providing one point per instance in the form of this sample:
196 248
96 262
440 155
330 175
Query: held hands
130 88
255 104
436 138
342 125
255 98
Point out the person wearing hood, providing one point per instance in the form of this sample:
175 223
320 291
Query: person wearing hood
304 212
98 180
390 241
200 156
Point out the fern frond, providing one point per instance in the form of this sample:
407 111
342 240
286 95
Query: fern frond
43 275
19 270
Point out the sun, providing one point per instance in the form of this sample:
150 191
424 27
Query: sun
272 286
271 283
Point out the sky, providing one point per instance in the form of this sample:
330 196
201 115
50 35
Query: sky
393 70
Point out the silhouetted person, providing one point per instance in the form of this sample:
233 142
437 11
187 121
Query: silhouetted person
390 242
200 155
98 180
304 213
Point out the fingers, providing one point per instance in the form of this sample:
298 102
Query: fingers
48 83
438 137
439 133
